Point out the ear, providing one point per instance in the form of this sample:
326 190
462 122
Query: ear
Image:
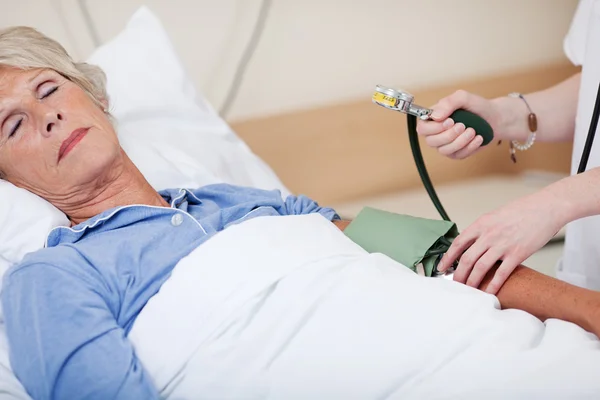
104 103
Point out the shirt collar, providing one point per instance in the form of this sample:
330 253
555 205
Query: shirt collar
177 198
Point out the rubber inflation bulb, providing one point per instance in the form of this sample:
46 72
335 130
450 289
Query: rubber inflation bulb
471 120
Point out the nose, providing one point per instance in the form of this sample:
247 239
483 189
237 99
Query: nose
51 120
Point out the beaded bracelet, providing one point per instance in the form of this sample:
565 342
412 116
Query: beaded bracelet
531 122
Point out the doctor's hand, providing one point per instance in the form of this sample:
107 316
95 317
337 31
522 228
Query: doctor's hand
452 139
509 234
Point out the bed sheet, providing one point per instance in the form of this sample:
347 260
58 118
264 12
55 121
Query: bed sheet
290 308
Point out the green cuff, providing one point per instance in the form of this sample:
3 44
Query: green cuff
406 239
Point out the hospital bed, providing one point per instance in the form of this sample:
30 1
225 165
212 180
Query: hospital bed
247 346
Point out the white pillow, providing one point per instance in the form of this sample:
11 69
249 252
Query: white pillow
25 220
173 135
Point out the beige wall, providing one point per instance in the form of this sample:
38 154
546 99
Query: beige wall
357 149
319 52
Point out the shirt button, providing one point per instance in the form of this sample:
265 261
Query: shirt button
177 220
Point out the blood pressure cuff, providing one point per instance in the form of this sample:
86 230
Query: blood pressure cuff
406 239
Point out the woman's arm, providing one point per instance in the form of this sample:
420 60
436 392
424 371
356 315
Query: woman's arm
64 339
341 224
546 297
542 296
555 108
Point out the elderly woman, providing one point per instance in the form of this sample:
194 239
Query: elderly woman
70 306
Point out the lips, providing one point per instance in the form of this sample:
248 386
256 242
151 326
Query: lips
70 142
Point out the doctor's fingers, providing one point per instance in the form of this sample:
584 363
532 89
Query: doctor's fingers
506 268
458 246
461 141
485 263
427 128
473 147
445 137
468 260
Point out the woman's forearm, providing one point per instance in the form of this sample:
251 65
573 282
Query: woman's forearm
543 296
554 107
341 224
546 297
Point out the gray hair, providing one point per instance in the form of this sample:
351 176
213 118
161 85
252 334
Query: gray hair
26 48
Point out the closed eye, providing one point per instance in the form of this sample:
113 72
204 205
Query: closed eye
15 128
49 92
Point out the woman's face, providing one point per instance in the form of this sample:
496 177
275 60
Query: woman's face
54 140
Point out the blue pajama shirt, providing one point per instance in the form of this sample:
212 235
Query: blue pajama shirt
69 307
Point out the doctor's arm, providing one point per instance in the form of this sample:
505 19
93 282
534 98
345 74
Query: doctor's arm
64 340
555 108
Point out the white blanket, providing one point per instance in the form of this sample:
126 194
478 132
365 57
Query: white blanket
289 308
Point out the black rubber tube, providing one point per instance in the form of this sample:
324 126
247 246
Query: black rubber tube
585 155
416 150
